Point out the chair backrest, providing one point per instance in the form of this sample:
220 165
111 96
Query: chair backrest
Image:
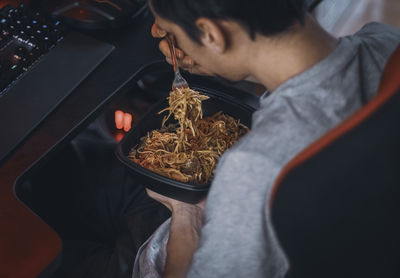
336 206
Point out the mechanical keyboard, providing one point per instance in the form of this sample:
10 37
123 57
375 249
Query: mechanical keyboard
41 65
25 36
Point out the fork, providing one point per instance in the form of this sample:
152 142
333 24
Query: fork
179 82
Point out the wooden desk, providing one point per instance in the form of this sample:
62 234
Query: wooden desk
29 247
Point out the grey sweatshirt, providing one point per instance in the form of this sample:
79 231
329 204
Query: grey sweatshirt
238 239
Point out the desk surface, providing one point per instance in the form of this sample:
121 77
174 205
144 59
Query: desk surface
27 245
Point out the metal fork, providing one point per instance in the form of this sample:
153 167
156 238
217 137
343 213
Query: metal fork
179 82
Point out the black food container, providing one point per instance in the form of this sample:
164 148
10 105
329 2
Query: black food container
219 100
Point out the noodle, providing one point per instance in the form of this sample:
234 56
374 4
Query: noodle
189 150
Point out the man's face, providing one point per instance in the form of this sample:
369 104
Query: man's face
217 64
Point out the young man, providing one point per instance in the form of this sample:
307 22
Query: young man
316 81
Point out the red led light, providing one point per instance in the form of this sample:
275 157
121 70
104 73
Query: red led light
119 119
127 122
123 120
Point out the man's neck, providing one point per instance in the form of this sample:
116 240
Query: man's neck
275 60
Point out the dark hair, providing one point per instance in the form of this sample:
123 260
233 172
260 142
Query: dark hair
266 17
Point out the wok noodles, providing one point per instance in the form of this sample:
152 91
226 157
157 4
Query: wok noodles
187 151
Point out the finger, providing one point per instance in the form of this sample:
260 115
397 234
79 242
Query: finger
154 195
187 62
179 53
150 193
157 32
160 198
164 48
168 60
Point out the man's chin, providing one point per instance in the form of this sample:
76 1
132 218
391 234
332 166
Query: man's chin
227 80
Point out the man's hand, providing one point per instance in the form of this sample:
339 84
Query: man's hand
184 61
186 223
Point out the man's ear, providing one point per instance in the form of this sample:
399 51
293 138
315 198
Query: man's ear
212 34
